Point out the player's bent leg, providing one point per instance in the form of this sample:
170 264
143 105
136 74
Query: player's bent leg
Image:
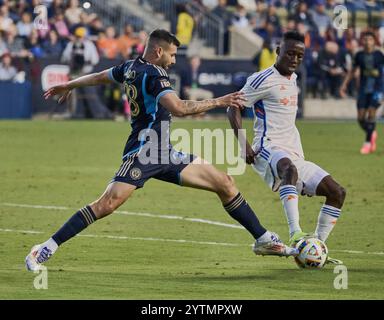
202 175
331 210
335 194
115 195
288 174
112 198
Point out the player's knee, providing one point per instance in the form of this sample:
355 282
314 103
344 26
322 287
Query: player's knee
227 185
337 193
341 194
108 204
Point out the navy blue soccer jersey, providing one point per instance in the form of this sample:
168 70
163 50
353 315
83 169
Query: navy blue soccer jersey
144 84
371 71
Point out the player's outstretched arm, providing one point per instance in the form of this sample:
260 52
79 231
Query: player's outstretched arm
181 108
234 116
64 90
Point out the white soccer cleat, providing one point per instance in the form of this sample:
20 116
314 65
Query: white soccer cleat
36 257
274 247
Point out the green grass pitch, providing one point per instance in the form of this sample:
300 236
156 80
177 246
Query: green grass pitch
126 256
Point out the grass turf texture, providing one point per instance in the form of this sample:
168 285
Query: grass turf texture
69 164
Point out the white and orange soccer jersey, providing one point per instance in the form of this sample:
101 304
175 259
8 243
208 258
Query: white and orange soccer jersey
273 98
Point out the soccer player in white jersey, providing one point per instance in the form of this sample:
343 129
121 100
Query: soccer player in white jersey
276 153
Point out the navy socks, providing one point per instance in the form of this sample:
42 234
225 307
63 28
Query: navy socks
77 223
239 210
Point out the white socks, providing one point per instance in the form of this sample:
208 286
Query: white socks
327 219
290 201
266 237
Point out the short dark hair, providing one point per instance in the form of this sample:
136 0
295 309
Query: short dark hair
158 35
293 35
369 34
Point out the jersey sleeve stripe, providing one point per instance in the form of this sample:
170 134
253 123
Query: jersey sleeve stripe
161 71
260 81
259 76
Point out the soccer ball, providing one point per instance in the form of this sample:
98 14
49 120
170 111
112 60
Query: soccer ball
313 253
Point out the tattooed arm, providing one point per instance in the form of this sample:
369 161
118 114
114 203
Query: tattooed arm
181 108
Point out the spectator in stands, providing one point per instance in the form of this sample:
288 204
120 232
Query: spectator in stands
352 48
15 45
302 15
61 26
239 17
107 44
20 7
52 46
273 18
249 5
25 25
332 65
127 41
7 71
381 27
221 11
95 27
266 57
321 19
303 29
138 49
85 20
348 37
55 8
190 86
270 33
33 45
185 25
73 12
5 21
81 55
3 45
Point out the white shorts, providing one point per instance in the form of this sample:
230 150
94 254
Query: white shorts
310 174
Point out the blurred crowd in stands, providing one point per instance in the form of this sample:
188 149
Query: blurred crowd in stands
329 51
79 37
67 22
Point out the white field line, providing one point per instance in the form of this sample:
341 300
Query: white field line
153 239
141 214
134 238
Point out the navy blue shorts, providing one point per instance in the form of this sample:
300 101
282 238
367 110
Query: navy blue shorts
368 100
136 172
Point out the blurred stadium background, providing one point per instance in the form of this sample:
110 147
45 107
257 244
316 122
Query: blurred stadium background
224 41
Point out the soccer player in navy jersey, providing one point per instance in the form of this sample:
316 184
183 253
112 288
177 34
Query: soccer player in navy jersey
370 61
148 152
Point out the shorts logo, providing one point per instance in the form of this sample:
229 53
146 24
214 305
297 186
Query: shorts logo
135 173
